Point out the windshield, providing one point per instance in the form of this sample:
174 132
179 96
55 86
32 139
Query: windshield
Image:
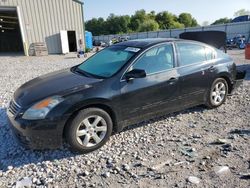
108 61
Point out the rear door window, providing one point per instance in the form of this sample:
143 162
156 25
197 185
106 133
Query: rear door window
190 53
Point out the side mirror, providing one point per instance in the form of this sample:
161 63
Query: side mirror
135 73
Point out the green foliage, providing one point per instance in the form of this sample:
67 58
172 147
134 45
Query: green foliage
187 20
177 25
137 19
143 21
194 23
222 21
96 26
140 21
117 24
165 20
87 50
149 25
152 15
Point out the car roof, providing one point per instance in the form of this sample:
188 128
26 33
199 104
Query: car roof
144 43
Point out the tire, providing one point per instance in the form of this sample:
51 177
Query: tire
81 134
217 94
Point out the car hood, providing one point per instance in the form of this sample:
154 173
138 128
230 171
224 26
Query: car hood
56 83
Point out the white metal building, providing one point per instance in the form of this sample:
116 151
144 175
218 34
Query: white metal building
58 23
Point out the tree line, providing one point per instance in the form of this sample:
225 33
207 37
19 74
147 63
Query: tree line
142 21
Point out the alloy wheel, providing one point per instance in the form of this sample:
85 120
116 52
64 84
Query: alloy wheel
218 93
91 131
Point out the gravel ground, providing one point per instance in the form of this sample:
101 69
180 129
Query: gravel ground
193 148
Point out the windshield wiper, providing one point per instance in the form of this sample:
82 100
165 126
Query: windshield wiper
77 70
80 71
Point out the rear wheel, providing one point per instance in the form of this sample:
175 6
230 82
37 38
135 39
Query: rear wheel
89 130
218 93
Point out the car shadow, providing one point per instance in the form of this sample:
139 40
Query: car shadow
241 132
199 108
245 67
70 57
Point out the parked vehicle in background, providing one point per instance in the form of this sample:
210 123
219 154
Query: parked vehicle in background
116 40
241 19
121 85
96 43
239 41
124 38
99 43
104 44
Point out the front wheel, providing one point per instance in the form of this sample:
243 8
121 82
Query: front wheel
218 93
89 130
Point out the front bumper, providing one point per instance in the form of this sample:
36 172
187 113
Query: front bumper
38 134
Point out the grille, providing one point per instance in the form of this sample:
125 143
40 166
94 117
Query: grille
14 108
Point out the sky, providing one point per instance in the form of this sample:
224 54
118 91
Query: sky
202 10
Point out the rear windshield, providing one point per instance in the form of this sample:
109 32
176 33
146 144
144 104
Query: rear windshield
108 61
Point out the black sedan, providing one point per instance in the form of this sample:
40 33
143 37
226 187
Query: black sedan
121 85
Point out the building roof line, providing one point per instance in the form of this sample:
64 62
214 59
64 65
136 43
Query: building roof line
79 1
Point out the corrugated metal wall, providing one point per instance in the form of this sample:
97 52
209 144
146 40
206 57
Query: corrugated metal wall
232 29
43 20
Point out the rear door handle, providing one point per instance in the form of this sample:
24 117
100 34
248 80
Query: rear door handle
172 81
211 69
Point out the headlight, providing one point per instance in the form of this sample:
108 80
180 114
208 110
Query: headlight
42 108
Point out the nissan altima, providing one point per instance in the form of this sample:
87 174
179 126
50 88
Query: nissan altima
121 85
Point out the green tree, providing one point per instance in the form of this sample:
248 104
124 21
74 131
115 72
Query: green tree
140 21
137 19
125 22
117 24
96 26
149 25
165 20
222 21
152 15
187 19
194 23
241 12
177 25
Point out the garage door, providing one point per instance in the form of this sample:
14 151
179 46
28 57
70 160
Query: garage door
10 33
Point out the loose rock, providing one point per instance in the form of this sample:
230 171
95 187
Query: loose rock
25 182
106 174
194 180
221 170
126 167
